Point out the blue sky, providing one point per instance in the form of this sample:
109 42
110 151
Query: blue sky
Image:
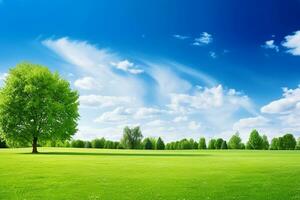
176 68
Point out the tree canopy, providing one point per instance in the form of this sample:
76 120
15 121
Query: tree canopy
132 137
235 142
160 145
37 105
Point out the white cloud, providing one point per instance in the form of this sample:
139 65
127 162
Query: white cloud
104 101
127 66
119 114
292 43
180 119
209 98
251 123
87 83
269 44
147 112
167 96
205 38
291 97
194 125
180 37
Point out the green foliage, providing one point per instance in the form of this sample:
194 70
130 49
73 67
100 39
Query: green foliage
298 144
235 142
160 145
224 145
218 143
212 144
202 143
77 144
255 141
275 144
87 144
2 144
132 138
266 144
98 143
147 144
287 142
37 105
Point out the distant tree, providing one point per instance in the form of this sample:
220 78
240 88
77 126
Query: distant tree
243 146
98 143
77 144
37 105
266 144
212 144
109 144
235 142
67 144
185 144
194 144
87 144
160 145
298 144
287 142
224 145
274 144
255 140
147 143
202 143
153 142
177 145
132 138
218 143
2 144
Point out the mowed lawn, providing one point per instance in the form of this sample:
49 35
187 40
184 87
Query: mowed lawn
61 173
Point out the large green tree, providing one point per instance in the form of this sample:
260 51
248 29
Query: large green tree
132 137
37 105
287 142
255 141
235 142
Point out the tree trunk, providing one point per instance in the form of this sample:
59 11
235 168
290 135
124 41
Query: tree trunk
34 145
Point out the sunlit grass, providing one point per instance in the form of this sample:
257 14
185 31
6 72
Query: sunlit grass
59 173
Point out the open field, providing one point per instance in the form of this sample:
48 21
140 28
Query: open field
59 173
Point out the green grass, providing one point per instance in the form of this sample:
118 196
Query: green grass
58 173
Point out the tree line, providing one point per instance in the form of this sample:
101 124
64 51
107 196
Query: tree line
39 108
133 139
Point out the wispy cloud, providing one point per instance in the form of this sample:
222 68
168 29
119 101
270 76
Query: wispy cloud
213 54
204 39
165 94
181 37
270 44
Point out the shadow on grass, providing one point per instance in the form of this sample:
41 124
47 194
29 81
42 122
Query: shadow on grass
121 154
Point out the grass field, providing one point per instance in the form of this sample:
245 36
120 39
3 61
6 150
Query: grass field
58 173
